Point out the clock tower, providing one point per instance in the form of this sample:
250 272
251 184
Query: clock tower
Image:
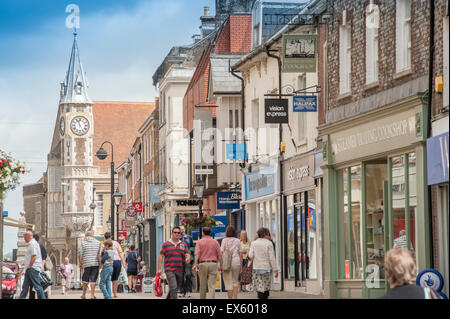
71 159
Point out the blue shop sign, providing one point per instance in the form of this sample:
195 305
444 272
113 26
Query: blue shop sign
219 230
228 200
236 151
437 159
260 183
305 103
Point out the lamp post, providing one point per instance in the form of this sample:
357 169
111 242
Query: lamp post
199 188
101 155
117 196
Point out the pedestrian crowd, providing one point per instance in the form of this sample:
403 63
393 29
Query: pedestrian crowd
99 263
180 258
241 263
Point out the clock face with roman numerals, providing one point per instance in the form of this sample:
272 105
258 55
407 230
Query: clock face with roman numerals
79 125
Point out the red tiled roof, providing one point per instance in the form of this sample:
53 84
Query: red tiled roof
234 37
118 122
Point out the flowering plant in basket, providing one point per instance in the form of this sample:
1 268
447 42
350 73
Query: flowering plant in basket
196 222
10 171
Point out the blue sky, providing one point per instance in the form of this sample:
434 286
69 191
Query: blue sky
121 43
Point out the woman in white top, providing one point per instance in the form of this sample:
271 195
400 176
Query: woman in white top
262 256
231 276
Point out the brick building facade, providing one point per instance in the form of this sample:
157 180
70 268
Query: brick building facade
375 127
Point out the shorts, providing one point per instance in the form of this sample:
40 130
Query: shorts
66 281
117 268
90 275
132 272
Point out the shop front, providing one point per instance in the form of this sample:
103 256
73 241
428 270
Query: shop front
438 172
376 196
262 206
302 244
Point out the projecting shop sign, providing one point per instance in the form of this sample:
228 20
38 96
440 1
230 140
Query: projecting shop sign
305 103
299 53
276 111
228 200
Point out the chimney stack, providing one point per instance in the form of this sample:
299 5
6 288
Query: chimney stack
206 11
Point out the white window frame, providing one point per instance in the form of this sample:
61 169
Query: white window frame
345 53
403 35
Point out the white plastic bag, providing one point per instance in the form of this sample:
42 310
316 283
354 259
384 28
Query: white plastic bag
123 278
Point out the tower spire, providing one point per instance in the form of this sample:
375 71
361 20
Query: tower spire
76 84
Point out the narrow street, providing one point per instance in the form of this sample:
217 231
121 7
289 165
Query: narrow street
298 146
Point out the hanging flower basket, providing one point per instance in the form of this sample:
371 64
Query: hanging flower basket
193 222
10 172
157 206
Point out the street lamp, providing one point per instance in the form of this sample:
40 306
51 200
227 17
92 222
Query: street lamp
117 196
101 155
199 188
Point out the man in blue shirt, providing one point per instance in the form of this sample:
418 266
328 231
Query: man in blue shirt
186 287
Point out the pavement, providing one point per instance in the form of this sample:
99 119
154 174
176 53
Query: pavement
76 294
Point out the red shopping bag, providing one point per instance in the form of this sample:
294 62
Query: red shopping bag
158 286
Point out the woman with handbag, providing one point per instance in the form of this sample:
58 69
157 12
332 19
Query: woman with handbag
232 262
263 261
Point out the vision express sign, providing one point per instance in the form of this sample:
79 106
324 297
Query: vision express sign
276 111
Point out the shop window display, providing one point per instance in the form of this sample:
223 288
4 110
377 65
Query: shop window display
291 237
376 174
353 261
356 222
401 188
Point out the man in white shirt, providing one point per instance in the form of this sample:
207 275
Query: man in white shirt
33 264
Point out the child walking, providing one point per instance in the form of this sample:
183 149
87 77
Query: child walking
107 261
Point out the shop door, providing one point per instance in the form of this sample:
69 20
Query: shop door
303 251
376 217
301 241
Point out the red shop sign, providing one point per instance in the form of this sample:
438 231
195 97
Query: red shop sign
138 206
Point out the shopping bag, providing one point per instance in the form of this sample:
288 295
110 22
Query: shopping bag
158 287
45 280
227 259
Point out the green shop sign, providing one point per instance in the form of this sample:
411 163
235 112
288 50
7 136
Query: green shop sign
299 53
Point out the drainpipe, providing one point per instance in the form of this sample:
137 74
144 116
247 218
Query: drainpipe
430 115
242 165
242 105
280 166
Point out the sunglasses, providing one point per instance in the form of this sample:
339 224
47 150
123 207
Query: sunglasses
176 232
